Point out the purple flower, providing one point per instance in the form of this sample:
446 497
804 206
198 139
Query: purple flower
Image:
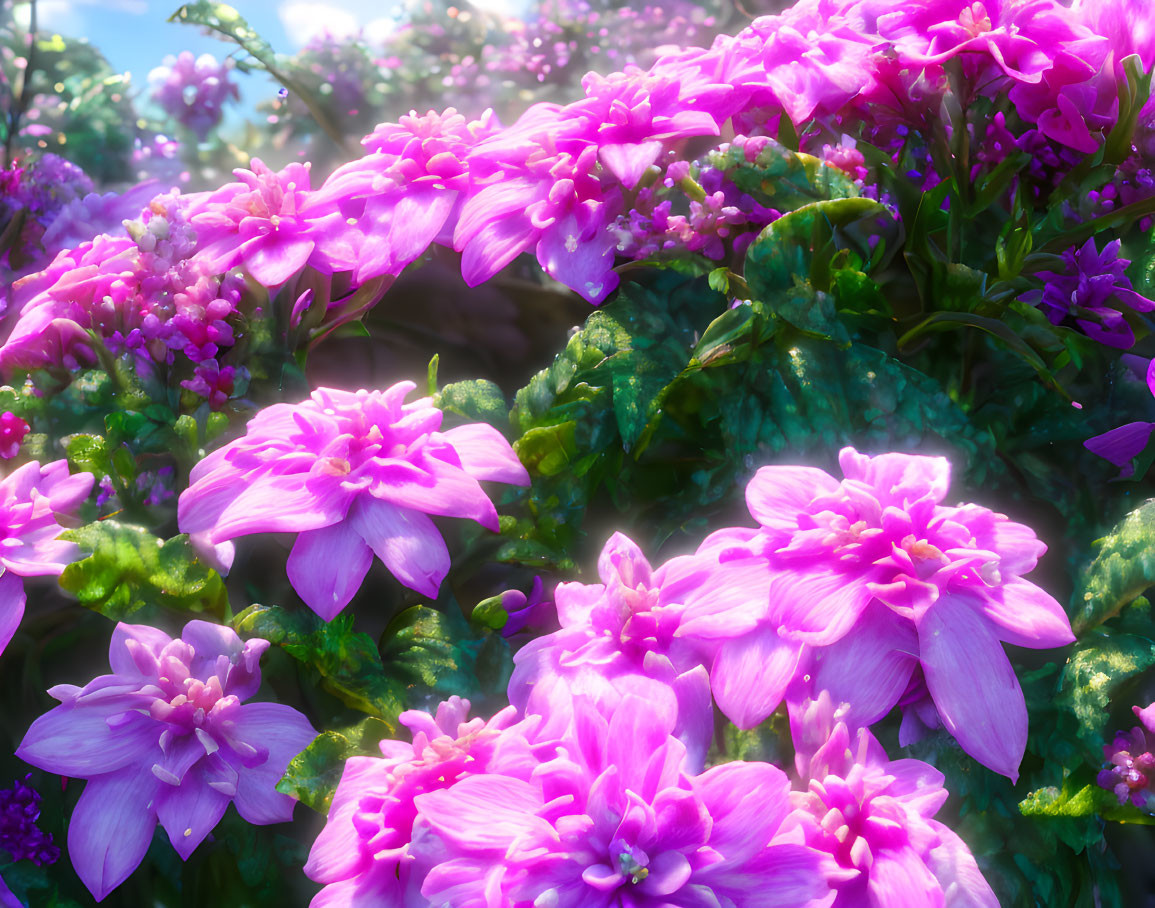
194 90
258 222
356 475
1129 769
32 499
1093 289
1123 444
19 835
166 739
874 817
875 577
613 820
12 432
531 612
365 852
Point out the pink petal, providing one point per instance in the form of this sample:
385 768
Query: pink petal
12 599
111 828
747 801
899 879
405 540
1027 615
435 487
868 668
327 566
336 853
818 606
777 495
954 867
273 261
151 641
973 685
485 454
750 675
484 813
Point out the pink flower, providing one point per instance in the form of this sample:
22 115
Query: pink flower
365 852
166 739
354 474
404 194
874 817
12 432
875 577
259 222
32 499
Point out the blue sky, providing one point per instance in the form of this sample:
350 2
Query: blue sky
135 35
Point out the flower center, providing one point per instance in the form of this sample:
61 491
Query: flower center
975 20
631 861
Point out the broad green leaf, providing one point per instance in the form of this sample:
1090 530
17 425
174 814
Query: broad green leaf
477 400
433 649
312 776
130 568
88 453
347 661
1123 568
1096 670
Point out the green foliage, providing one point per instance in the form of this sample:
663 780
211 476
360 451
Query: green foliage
1123 568
346 661
312 775
1092 678
476 401
130 568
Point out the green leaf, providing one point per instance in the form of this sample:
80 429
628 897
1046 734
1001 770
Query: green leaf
1053 802
88 453
433 649
490 613
312 776
1123 568
477 400
347 661
787 267
130 568
1096 670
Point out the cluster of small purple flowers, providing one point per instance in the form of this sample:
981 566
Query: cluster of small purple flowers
142 295
194 90
19 834
1129 764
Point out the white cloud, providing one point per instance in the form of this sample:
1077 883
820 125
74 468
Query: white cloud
302 20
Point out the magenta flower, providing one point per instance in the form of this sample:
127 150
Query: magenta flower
364 853
259 223
540 189
12 432
640 626
356 475
876 577
613 821
403 195
32 499
875 818
166 739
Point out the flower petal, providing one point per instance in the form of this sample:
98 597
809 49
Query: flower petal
777 495
973 685
485 454
284 732
899 879
12 600
1027 615
111 828
818 606
405 540
189 812
76 740
750 675
327 566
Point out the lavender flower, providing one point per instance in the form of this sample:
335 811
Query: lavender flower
166 739
194 91
1121 445
1093 289
355 474
32 499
